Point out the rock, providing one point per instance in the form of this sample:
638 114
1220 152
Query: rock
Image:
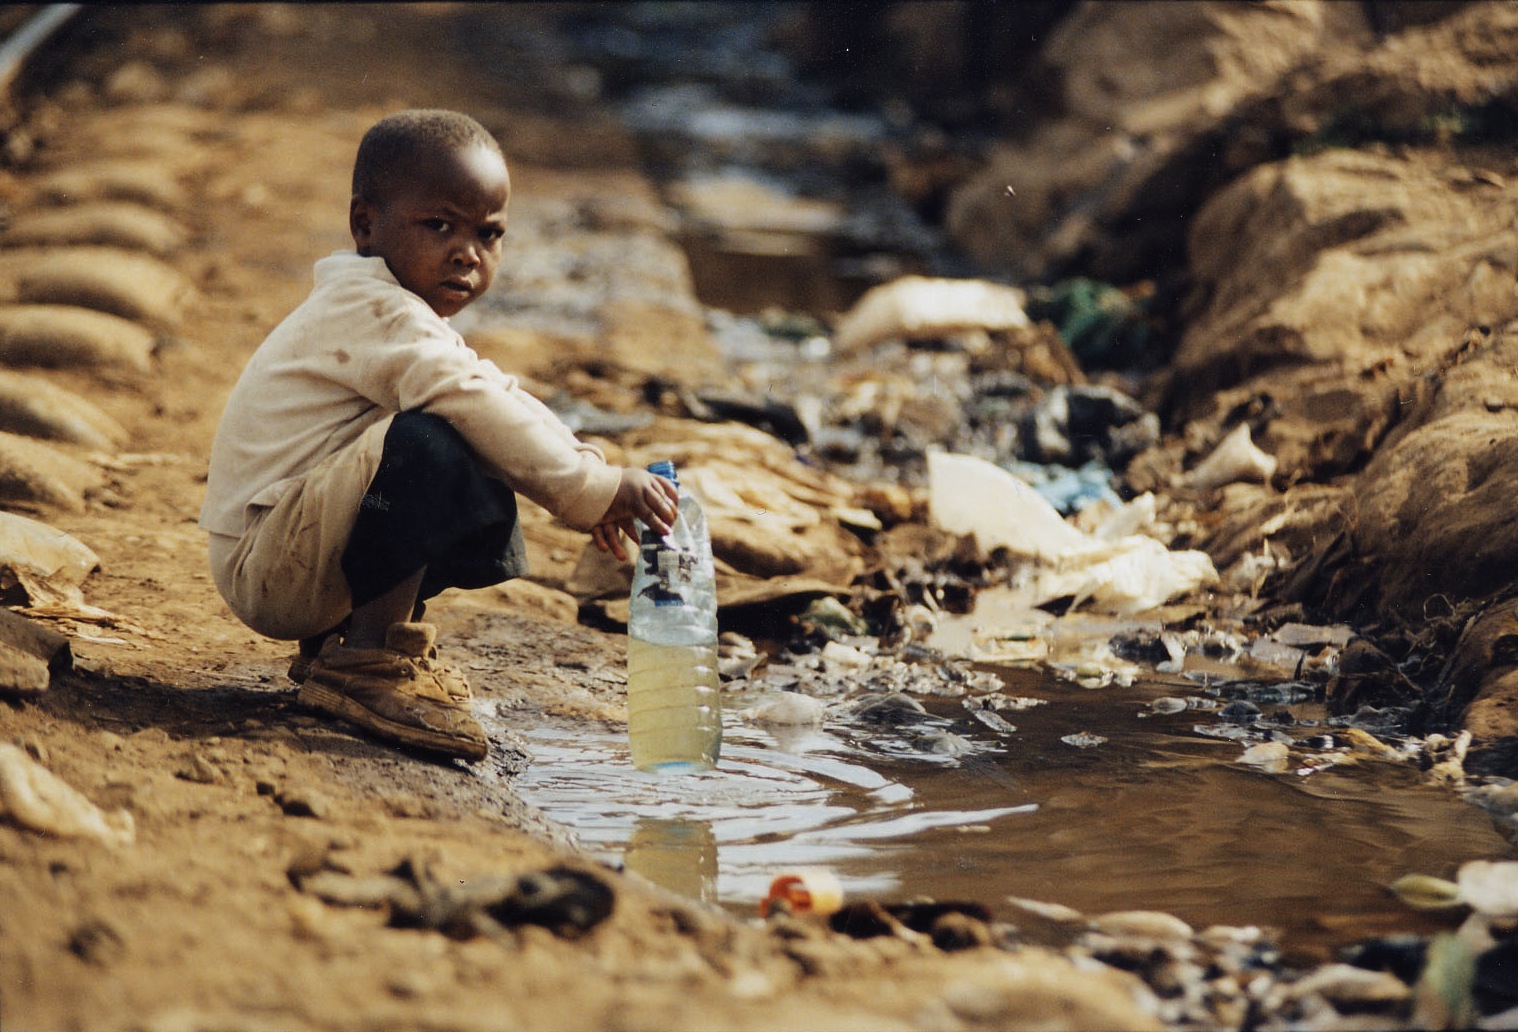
1346 985
1144 924
96 942
22 673
1271 756
1037 989
36 799
199 769
303 801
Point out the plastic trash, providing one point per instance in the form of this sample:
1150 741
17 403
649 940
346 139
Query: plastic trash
1070 490
1236 458
967 495
915 307
674 711
1113 571
804 891
40 564
1102 325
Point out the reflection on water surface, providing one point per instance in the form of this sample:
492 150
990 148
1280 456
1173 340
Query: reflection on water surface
1157 816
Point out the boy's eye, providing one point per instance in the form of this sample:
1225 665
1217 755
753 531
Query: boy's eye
490 234
440 225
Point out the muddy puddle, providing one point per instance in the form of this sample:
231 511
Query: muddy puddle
1095 801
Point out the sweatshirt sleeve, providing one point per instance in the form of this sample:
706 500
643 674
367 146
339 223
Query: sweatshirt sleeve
422 363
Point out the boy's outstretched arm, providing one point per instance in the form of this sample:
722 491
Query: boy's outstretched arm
640 496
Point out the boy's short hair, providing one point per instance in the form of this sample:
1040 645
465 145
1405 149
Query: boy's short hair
395 140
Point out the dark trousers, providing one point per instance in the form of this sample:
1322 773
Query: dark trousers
431 505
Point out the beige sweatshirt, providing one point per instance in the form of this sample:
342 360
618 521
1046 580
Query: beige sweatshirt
362 347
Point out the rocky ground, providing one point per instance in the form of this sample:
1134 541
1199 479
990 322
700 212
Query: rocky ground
238 864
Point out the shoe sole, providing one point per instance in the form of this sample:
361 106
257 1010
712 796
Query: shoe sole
323 699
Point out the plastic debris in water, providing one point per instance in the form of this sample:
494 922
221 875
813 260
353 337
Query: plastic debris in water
805 891
1084 740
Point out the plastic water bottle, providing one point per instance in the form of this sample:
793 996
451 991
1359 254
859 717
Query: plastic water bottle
674 709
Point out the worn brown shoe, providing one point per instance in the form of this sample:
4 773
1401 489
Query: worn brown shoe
390 693
418 640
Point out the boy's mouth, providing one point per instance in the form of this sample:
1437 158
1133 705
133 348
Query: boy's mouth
459 288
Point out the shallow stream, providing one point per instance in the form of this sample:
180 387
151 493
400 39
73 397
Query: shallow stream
1161 815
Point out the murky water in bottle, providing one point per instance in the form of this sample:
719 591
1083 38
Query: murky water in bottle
674 706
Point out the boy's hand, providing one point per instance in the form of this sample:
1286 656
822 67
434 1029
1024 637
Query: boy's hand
640 496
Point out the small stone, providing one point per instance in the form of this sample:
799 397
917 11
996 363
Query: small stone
96 942
1146 924
1347 984
1056 912
1271 756
200 770
303 802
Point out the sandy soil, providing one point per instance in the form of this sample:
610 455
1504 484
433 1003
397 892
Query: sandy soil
180 716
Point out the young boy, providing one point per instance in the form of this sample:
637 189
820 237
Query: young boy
368 459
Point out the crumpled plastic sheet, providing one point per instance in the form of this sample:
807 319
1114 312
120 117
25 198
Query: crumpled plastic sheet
1116 569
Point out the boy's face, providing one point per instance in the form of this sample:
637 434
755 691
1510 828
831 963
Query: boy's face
440 228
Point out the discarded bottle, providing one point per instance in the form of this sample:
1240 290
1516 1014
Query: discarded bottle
674 710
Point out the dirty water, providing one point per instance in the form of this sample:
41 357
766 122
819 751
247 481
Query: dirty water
1145 811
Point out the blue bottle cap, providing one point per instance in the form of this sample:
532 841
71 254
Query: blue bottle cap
664 468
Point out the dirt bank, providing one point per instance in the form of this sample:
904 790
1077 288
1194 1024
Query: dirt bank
249 866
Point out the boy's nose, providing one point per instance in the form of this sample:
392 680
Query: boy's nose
467 255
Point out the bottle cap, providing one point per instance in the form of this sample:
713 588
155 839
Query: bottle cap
805 891
664 468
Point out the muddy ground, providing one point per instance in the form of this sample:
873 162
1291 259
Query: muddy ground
210 917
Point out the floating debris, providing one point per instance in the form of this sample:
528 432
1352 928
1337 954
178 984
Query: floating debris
1083 740
786 709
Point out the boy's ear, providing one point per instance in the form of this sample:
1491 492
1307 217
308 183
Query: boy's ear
360 222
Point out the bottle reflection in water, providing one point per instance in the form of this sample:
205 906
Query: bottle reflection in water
677 855
674 711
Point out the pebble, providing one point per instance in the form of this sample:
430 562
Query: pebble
1347 984
96 942
786 708
301 801
1147 924
1270 756
200 770
1239 712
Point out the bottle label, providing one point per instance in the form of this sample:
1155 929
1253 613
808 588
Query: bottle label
669 571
